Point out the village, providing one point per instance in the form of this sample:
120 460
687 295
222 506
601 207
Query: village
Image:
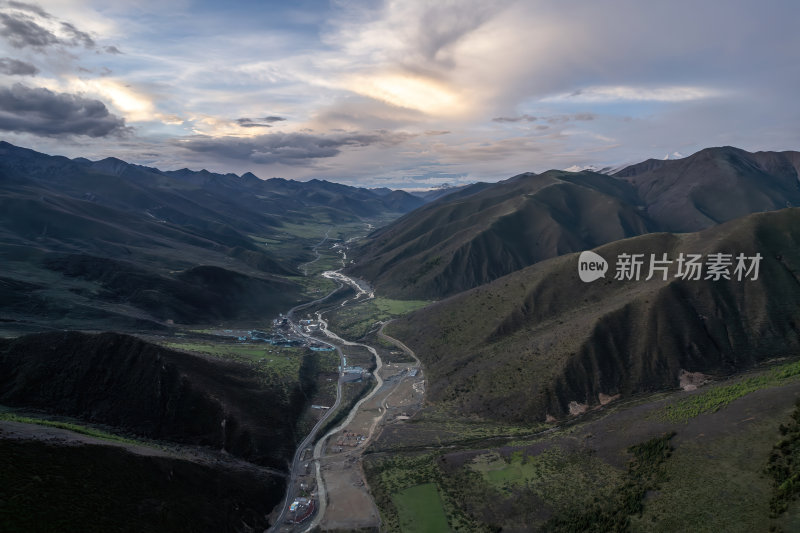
284 333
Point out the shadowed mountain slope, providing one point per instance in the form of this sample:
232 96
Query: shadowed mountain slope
714 185
100 487
153 392
225 436
482 232
108 244
541 342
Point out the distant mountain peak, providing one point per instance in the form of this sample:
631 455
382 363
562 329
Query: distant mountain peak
613 169
609 169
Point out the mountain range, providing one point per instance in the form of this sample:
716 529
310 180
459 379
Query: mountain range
540 342
192 423
107 244
485 231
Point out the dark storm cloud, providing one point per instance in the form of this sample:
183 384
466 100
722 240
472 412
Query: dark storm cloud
288 148
13 67
250 124
43 112
22 31
23 27
263 122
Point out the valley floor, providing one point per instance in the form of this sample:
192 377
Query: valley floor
682 461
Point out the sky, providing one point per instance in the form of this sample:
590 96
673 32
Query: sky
403 94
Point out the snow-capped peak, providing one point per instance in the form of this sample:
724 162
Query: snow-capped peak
594 168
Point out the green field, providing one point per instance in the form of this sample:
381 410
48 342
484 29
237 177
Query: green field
499 472
554 476
435 425
77 428
252 352
420 509
398 307
412 493
273 363
355 321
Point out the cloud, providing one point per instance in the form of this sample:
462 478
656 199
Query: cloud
419 55
14 67
43 112
33 8
263 122
111 50
77 37
421 35
411 91
288 148
565 77
134 103
443 25
28 25
522 118
564 119
552 119
21 31
621 93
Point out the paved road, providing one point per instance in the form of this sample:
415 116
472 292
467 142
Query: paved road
363 290
321 488
291 486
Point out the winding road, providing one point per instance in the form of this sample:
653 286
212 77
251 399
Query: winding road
363 291
320 445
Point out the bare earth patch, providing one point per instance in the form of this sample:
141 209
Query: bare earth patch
689 381
576 408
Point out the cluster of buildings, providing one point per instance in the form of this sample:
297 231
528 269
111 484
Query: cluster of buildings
349 439
353 374
300 510
285 335
310 326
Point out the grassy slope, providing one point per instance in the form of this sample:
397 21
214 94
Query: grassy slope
715 185
139 233
530 343
420 509
466 239
580 477
156 393
355 321
484 232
